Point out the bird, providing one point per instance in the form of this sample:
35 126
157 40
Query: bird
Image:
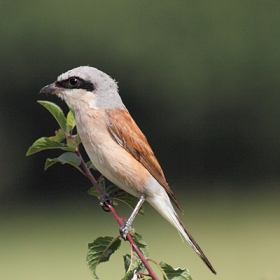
115 144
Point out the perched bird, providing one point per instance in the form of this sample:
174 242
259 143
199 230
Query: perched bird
115 144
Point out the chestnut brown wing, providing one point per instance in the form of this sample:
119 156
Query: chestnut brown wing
127 134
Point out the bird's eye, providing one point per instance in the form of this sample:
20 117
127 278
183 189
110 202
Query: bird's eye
73 82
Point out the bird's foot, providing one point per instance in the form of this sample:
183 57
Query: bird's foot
125 229
102 199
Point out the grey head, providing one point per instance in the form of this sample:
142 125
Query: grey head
86 84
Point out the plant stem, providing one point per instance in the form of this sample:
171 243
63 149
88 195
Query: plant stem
117 217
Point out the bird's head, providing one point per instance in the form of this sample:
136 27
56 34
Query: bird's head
88 85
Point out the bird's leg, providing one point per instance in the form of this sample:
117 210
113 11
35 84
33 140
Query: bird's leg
125 228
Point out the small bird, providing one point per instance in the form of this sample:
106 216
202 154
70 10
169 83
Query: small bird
115 144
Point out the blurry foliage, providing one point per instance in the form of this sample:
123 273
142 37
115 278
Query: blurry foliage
200 78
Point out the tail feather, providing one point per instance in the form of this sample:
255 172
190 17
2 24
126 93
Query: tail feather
195 246
165 208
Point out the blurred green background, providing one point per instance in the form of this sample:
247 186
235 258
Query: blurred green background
202 81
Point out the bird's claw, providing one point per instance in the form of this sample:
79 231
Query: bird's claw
102 199
125 229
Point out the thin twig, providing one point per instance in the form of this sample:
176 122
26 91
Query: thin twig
117 217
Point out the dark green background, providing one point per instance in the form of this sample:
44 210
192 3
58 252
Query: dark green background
202 81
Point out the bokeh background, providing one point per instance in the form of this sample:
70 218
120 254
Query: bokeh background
201 78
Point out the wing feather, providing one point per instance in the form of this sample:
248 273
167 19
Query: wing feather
127 134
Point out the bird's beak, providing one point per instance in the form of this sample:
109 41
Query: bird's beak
50 89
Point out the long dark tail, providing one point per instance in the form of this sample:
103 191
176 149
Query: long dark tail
196 247
163 205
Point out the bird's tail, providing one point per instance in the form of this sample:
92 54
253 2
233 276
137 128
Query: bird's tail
165 208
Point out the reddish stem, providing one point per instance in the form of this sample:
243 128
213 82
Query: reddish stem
117 217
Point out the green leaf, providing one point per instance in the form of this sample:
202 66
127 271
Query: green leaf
174 273
111 190
50 162
56 112
70 120
73 142
93 191
59 136
132 264
68 157
100 251
141 244
44 143
102 185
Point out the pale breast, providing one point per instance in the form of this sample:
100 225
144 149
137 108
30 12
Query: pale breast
111 160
